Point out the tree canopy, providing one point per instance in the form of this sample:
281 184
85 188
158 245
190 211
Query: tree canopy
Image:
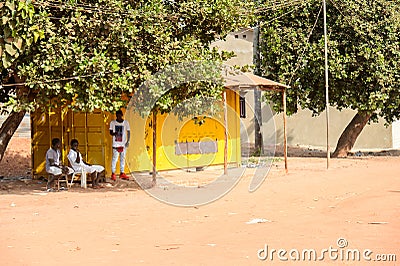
363 55
93 54
89 53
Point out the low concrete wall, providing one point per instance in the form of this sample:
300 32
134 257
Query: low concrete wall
303 129
24 129
306 130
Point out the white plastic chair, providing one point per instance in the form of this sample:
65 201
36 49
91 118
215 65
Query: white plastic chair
82 174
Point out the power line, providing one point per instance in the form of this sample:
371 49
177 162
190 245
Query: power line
355 20
284 14
63 79
351 23
393 9
281 5
91 9
80 8
102 10
304 49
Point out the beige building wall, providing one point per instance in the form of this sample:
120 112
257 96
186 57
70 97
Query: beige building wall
240 42
303 128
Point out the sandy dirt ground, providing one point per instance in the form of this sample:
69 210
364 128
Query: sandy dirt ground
352 207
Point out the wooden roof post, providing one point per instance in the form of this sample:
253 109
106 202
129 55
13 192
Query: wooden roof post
154 174
226 134
284 128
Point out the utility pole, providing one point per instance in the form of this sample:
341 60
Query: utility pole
258 138
328 154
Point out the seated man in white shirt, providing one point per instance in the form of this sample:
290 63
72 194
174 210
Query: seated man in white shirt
53 163
77 163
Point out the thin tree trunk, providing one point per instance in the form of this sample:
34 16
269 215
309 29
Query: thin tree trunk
350 134
8 129
11 124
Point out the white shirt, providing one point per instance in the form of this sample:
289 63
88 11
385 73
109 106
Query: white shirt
82 166
72 155
54 155
120 138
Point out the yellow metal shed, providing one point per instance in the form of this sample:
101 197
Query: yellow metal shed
173 135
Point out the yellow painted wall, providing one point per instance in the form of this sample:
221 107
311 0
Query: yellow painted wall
92 132
88 128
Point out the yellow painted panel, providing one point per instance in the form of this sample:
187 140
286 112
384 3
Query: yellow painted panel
68 126
96 155
170 130
79 120
137 158
41 119
38 156
95 138
95 119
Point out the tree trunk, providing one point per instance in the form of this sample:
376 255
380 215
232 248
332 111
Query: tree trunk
11 124
350 134
8 129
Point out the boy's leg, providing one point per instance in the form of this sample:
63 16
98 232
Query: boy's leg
94 179
53 173
50 182
101 177
122 161
100 172
115 155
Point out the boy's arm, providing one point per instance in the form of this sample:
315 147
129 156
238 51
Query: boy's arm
51 161
112 133
128 134
78 157
128 137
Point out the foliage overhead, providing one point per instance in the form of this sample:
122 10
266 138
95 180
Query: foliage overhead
363 55
86 54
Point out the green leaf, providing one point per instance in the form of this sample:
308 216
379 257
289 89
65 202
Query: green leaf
28 41
21 5
10 5
5 19
18 43
6 62
10 50
36 36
